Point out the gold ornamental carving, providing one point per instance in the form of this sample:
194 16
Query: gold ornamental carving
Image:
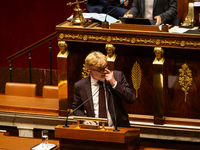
133 40
185 79
110 49
63 46
158 42
61 36
182 43
109 39
85 37
136 77
85 72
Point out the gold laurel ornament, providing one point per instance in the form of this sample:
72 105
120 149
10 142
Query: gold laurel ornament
136 77
185 79
85 72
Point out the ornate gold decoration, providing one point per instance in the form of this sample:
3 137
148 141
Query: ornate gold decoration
136 77
192 44
78 18
158 42
134 40
182 43
110 49
61 36
85 72
109 39
85 37
63 49
189 19
159 52
185 79
170 42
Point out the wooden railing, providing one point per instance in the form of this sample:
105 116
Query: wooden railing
29 49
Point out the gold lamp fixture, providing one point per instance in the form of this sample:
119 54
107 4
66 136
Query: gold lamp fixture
78 18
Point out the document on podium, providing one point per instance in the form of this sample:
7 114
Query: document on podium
98 16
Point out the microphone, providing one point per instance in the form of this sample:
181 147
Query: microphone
85 1
115 123
105 23
66 122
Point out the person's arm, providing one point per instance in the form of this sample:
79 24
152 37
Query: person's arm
122 88
135 9
169 14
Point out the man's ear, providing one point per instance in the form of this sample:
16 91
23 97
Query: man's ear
90 71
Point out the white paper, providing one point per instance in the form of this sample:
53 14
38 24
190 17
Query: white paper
196 4
97 16
177 29
40 147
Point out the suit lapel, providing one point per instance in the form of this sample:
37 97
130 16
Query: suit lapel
89 94
154 3
108 95
142 3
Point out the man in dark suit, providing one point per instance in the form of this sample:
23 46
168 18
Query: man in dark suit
104 6
96 63
161 11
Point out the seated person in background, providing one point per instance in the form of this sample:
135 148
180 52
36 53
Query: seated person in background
161 11
104 6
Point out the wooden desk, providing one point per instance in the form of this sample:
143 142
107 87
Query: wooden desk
138 46
90 139
20 143
126 37
37 105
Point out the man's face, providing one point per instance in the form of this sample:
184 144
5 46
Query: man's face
98 73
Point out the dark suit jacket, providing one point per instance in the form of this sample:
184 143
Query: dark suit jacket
97 5
122 92
102 6
166 9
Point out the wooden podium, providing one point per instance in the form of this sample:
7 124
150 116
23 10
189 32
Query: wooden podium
90 139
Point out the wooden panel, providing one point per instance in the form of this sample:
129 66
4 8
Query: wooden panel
89 139
132 46
175 105
20 143
182 10
29 104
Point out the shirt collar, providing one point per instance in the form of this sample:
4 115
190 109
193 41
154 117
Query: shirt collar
94 81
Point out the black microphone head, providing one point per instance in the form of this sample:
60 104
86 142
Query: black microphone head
85 1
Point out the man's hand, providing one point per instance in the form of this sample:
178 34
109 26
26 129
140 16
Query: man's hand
158 20
89 122
129 16
109 77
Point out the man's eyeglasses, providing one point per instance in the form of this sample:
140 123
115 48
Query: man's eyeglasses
101 70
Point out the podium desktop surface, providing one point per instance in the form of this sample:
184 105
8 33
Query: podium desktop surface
74 138
21 143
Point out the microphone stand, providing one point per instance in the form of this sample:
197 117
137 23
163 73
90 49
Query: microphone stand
115 124
66 126
105 24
